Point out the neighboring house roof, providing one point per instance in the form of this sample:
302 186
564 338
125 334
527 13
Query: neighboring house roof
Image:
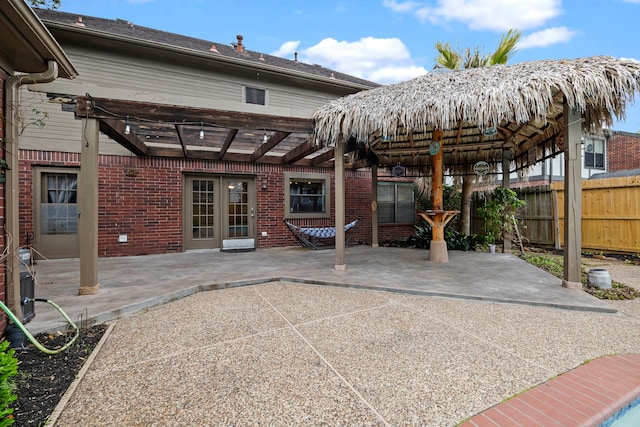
126 30
26 45
616 174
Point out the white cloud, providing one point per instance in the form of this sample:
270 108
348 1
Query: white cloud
391 74
287 49
401 7
495 15
547 37
375 59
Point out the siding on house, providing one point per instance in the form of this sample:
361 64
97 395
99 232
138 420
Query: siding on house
117 76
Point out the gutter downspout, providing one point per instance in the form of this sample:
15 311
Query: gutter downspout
12 189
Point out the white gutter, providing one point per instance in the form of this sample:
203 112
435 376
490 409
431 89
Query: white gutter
12 189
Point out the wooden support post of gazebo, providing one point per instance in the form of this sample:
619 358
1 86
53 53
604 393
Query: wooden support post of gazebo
437 217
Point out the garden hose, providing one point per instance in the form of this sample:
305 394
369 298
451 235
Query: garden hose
30 337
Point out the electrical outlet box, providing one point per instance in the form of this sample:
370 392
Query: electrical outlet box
264 234
122 238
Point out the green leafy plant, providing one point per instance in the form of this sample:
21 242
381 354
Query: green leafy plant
49 4
498 212
454 239
8 370
421 238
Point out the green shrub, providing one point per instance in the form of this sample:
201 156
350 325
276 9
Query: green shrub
455 240
497 213
8 369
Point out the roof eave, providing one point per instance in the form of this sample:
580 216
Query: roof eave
238 62
31 29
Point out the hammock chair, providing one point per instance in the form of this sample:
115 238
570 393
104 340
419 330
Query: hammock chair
313 237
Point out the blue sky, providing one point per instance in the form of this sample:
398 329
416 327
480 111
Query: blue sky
392 40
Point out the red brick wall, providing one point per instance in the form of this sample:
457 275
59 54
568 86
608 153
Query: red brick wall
3 282
623 152
147 207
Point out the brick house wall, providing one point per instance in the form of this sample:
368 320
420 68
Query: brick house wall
147 204
623 152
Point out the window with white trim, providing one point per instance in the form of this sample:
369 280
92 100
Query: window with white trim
594 149
396 203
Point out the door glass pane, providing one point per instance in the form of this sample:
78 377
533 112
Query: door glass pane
58 204
202 209
238 208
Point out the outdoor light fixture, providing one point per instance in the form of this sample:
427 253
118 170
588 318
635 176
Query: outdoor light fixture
127 128
201 136
265 138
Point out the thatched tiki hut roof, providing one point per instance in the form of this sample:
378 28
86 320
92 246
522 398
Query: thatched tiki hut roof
482 111
517 114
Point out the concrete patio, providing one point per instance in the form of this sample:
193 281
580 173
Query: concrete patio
131 284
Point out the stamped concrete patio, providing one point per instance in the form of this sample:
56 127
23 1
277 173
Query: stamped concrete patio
130 284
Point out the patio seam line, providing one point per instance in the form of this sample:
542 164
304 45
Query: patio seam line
327 363
173 296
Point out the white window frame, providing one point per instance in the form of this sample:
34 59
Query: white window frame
594 146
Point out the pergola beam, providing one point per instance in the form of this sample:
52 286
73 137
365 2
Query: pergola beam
265 147
105 108
115 129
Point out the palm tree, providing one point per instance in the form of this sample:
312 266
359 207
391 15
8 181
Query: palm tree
468 58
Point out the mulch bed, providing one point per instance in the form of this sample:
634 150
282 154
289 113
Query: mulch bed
43 379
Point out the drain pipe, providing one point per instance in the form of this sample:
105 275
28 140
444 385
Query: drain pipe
12 190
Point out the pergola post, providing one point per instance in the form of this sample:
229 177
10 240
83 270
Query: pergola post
339 203
374 206
88 203
572 198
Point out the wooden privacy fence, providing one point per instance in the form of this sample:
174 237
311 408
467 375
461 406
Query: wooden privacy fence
610 214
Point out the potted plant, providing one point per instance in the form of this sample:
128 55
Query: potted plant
498 213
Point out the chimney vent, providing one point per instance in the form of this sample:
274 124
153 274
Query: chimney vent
295 56
213 48
239 46
79 22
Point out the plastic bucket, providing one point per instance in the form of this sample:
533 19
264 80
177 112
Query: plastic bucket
599 277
